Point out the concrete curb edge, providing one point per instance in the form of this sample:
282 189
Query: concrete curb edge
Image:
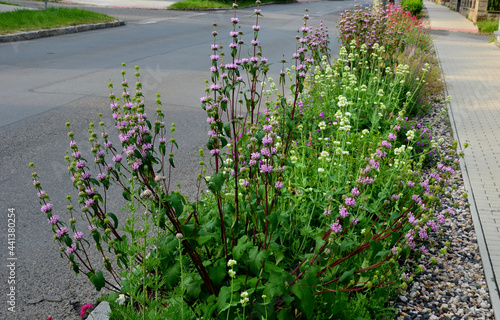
489 273
22 36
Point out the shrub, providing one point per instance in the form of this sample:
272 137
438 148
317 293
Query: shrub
413 6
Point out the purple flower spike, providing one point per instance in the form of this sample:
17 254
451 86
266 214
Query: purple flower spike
54 220
47 208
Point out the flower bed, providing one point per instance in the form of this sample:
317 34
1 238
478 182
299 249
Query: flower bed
309 207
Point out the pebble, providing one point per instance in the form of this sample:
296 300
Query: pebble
35 300
454 287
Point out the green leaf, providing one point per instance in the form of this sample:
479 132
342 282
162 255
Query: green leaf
222 300
285 314
215 183
227 129
171 275
347 275
126 195
210 144
382 254
279 255
171 161
228 208
223 142
97 279
290 124
242 246
193 286
276 284
375 247
346 244
97 237
306 296
340 302
176 201
257 258
114 218
203 237
217 273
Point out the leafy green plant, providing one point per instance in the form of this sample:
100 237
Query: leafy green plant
488 25
306 205
413 6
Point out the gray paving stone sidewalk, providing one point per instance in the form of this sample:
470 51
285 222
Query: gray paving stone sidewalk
471 68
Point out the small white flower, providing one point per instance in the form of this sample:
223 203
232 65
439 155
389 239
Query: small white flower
322 125
410 134
231 263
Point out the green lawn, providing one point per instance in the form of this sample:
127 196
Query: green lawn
212 4
29 20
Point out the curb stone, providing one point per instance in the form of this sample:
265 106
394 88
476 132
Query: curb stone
58 31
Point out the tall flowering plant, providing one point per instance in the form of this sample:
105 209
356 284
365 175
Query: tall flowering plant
303 204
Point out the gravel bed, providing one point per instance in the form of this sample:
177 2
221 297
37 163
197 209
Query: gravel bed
455 286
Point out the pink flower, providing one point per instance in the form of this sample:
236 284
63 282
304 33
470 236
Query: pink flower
266 168
336 227
47 208
54 219
343 212
84 309
350 202
267 140
355 192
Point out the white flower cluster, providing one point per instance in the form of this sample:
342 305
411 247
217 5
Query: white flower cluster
410 135
343 120
244 298
342 102
231 263
402 69
400 150
322 125
324 155
339 152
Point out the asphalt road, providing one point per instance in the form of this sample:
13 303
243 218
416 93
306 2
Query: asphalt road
48 81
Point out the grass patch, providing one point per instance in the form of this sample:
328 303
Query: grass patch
213 4
487 26
9 4
29 20
198 4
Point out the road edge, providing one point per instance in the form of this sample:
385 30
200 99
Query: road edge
22 36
